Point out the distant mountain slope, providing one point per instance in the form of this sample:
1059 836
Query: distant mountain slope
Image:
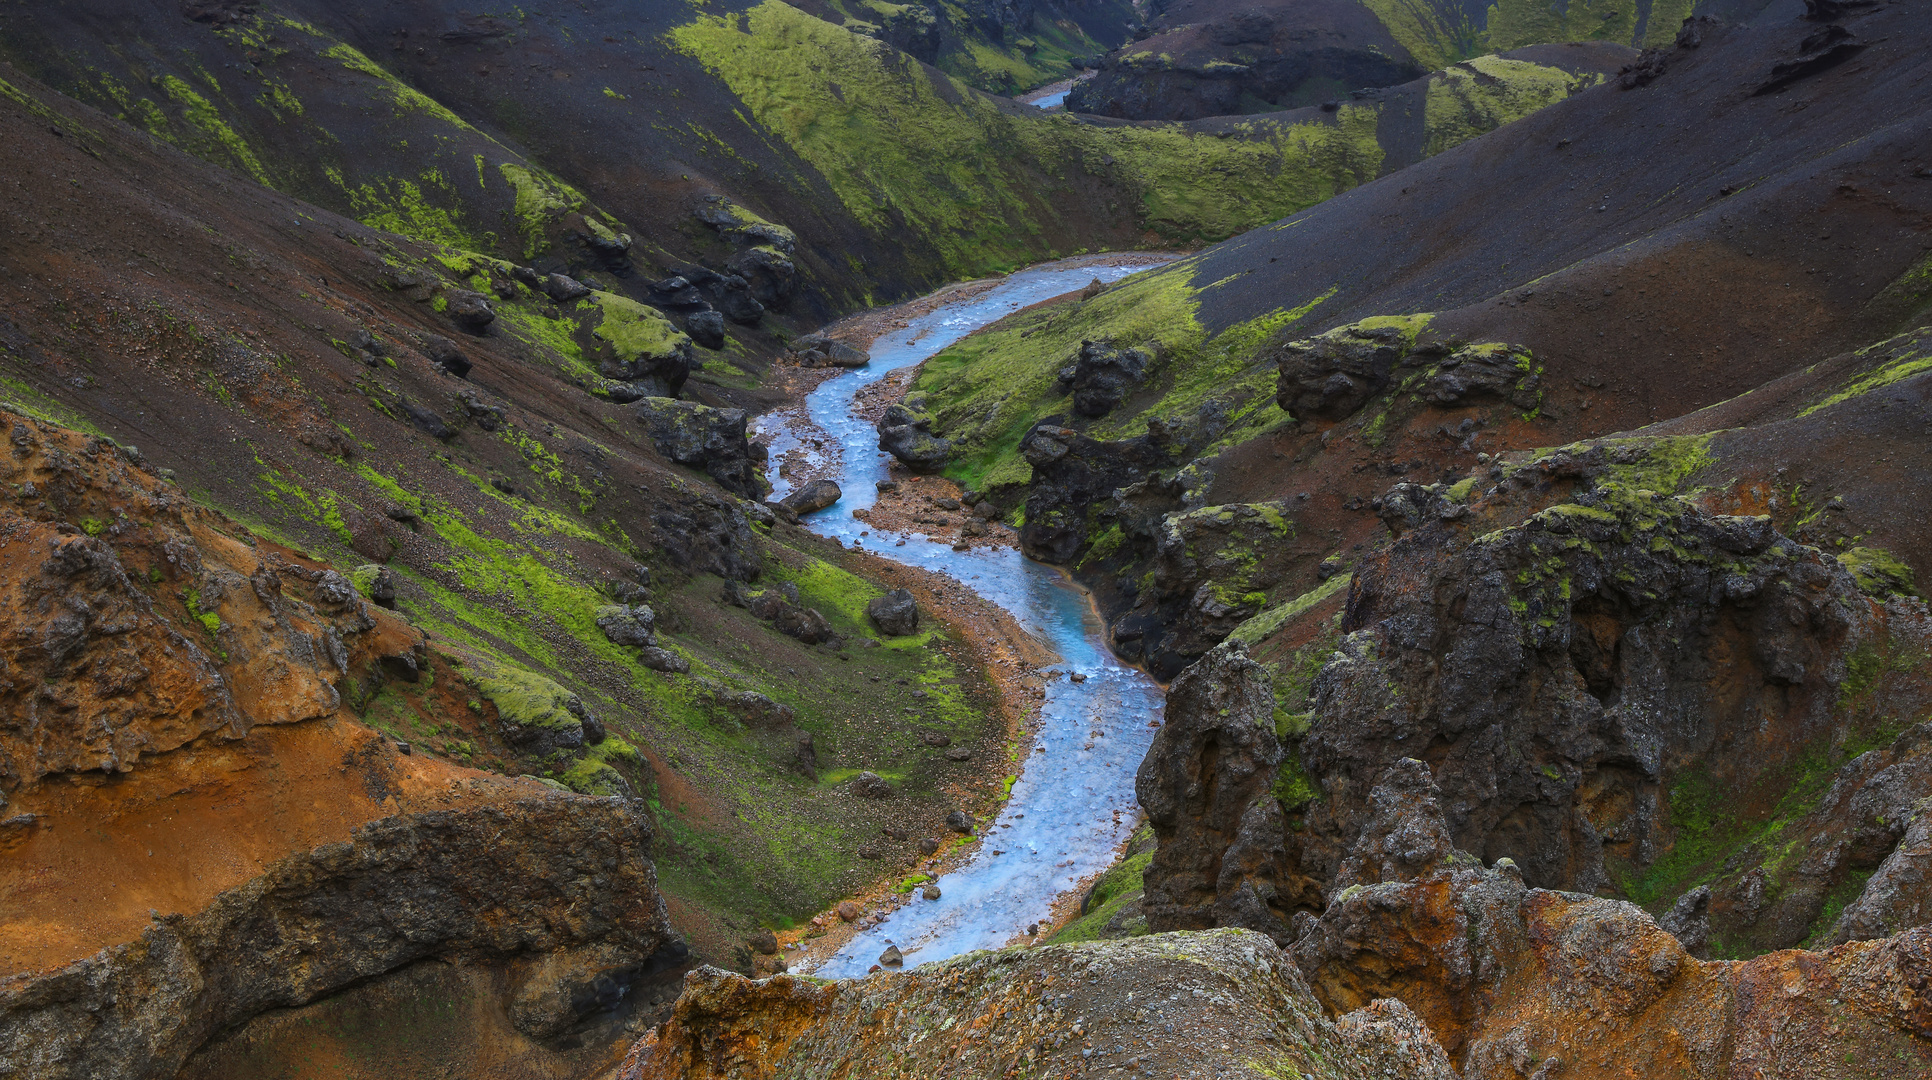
550 136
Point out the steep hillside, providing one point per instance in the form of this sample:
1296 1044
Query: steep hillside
308 376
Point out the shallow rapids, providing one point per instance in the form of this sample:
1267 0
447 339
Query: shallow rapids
1073 803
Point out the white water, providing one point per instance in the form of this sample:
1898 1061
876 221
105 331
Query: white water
1074 801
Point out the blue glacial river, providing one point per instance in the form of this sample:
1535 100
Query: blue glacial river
1074 801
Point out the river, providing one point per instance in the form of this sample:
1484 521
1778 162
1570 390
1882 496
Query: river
1073 803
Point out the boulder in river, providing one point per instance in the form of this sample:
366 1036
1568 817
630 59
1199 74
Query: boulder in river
930 892
895 613
892 957
908 436
812 496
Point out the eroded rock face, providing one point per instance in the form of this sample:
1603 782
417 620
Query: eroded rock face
480 885
1212 568
1565 633
1072 471
1332 376
1598 683
1517 981
1101 376
703 438
1049 1009
155 620
1206 786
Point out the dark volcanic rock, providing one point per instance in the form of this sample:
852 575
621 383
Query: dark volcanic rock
702 437
907 435
427 421
803 623
1211 571
446 354
471 310
563 288
555 875
1101 377
627 625
813 495
1072 471
868 785
706 328
895 613
1577 678
660 659
1221 841
709 534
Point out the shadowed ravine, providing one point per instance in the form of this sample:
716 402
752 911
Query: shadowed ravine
1074 800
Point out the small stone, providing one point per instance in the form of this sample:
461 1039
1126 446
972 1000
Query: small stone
403 748
870 785
934 738
848 911
928 846
892 957
959 753
765 942
930 892
1032 929
957 821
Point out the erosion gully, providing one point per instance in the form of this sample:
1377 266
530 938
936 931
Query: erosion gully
1073 803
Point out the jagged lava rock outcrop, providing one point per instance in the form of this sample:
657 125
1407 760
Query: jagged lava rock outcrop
1586 664
1172 1004
1518 981
198 830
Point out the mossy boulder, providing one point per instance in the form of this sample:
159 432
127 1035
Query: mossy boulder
535 714
643 347
625 624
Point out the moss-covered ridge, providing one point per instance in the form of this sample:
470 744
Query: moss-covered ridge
989 183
